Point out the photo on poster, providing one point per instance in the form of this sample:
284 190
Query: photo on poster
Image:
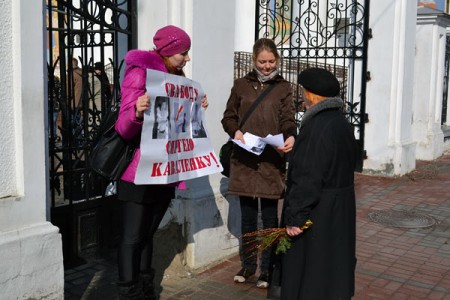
198 130
181 119
161 124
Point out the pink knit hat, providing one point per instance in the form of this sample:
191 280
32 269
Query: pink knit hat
171 40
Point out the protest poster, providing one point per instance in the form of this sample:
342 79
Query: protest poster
175 144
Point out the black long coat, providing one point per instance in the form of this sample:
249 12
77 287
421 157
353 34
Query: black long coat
320 187
264 175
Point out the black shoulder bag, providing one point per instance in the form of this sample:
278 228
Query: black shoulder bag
227 149
111 154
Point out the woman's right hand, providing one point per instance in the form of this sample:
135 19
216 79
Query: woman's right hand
293 230
142 104
238 135
288 145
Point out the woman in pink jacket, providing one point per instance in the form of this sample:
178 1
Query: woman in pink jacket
143 206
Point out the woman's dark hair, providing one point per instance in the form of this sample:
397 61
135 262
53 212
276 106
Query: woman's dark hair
265 44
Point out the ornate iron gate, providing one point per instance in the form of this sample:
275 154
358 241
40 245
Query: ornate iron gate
86 43
331 34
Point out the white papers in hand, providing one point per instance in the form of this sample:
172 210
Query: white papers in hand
256 144
274 140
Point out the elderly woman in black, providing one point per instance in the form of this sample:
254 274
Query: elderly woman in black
320 264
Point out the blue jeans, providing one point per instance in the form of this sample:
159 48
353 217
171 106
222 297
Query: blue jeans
249 223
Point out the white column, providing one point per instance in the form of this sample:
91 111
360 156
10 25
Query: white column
210 216
206 214
244 31
428 84
447 121
388 138
31 261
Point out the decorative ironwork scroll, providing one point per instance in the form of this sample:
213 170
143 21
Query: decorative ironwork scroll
331 34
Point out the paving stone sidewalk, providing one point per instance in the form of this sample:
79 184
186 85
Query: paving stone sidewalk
408 262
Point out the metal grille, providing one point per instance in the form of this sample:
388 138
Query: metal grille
330 34
95 35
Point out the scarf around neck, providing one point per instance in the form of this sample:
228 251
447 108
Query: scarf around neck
263 78
322 105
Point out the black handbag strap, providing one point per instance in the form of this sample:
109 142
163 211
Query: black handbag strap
255 104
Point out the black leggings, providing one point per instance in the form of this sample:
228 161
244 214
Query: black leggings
140 222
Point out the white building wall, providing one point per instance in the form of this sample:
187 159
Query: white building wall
212 215
388 138
244 32
31 261
7 147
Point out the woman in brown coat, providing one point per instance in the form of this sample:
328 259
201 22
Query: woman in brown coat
262 177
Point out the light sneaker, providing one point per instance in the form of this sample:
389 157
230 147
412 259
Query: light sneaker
263 281
243 275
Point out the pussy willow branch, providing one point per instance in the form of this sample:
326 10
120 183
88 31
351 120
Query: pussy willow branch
263 239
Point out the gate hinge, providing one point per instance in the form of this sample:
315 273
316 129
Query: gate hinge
366 118
368 78
364 154
369 34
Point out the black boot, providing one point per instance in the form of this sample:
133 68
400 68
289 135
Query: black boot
148 287
130 290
